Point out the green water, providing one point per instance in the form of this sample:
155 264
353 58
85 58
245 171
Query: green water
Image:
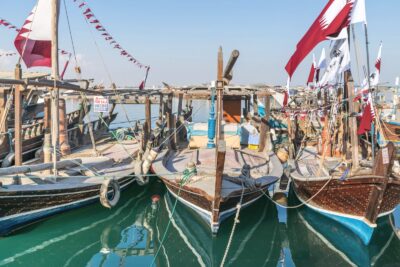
130 235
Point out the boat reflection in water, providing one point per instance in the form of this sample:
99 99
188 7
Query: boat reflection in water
318 240
131 234
256 240
395 221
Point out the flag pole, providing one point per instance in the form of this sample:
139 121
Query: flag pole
369 86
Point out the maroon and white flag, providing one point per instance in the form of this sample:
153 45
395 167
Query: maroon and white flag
312 71
33 42
367 117
334 18
321 65
377 73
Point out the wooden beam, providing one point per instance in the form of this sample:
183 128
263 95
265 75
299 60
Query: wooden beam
229 66
39 167
220 164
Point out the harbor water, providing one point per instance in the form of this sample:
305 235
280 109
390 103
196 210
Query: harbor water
131 234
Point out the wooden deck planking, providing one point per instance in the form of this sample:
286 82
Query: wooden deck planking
115 160
206 170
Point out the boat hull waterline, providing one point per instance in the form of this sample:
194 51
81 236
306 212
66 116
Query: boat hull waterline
35 205
347 201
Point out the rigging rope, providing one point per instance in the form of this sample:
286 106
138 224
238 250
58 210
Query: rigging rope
108 73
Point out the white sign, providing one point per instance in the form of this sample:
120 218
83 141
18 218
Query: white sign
100 104
397 81
385 155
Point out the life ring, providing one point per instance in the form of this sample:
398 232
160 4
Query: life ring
105 199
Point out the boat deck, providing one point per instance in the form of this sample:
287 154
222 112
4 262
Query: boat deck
114 159
176 162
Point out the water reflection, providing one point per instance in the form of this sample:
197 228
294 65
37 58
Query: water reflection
130 236
316 239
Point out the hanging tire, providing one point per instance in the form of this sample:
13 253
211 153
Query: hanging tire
8 160
110 193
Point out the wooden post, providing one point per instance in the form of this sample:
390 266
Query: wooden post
65 148
220 163
160 109
147 127
110 113
180 103
255 105
264 132
179 120
353 125
82 111
170 122
55 8
18 117
4 119
46 130
220 88
290 137
47 113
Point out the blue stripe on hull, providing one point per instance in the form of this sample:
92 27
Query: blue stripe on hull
360 228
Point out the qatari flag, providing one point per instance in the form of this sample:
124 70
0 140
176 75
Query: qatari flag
33 42
334 18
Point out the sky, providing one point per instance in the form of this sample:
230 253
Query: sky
179 39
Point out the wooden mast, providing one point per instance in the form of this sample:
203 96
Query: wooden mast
55 9
18 117
352 124
221 148
220 88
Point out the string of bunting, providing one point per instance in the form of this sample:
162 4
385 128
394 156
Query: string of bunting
8 54
10 26
93 20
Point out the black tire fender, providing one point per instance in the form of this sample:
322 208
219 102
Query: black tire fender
105 190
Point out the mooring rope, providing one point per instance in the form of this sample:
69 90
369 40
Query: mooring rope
303 202
235 222
185 178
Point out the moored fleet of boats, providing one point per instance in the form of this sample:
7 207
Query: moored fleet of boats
331 144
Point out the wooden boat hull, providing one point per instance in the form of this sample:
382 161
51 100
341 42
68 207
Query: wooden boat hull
312 235
198 192
203 207
21 208
349 201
